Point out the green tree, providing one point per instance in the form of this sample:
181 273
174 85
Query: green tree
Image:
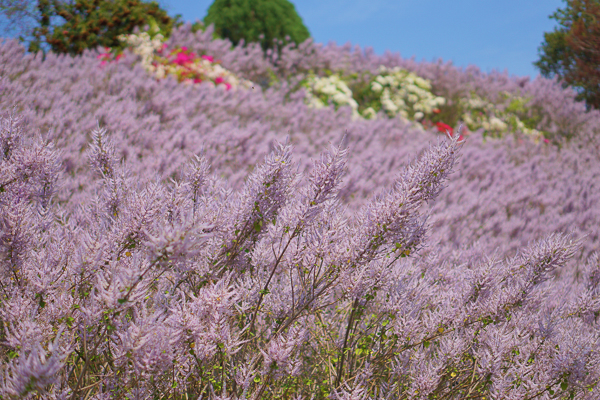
92 23
572 51
257 21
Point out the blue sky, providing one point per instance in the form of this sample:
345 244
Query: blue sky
501 34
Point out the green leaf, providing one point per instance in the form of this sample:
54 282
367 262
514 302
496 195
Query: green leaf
41 301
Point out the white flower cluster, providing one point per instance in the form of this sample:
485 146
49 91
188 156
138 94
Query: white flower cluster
329 90
405 94
144 46
480 113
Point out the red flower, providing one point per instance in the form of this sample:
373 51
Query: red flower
447 129
442 127
436 111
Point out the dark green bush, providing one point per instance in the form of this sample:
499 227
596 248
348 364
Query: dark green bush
257 21
92 23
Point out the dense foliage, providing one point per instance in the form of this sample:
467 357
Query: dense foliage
570 52
87 24
264 21
164 234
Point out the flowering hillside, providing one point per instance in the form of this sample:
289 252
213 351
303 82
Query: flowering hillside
194 220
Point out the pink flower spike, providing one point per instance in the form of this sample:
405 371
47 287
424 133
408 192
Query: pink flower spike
546 140
208 58
219 80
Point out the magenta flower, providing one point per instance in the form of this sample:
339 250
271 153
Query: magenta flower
208 58
108 57
183 58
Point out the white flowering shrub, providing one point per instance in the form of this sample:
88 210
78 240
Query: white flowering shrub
323 91
144 46
399 93
405 94
395 91
497 119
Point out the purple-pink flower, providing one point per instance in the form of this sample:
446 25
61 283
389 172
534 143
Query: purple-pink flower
167 240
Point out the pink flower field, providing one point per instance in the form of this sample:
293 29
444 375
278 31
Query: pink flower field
181 222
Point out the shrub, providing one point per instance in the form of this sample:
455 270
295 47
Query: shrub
179 62
257 21
92 23
570 51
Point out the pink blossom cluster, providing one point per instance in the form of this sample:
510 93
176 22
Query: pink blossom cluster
107 56
188 65
183 64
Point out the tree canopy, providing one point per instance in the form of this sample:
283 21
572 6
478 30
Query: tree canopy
71 26
572 51
257 21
